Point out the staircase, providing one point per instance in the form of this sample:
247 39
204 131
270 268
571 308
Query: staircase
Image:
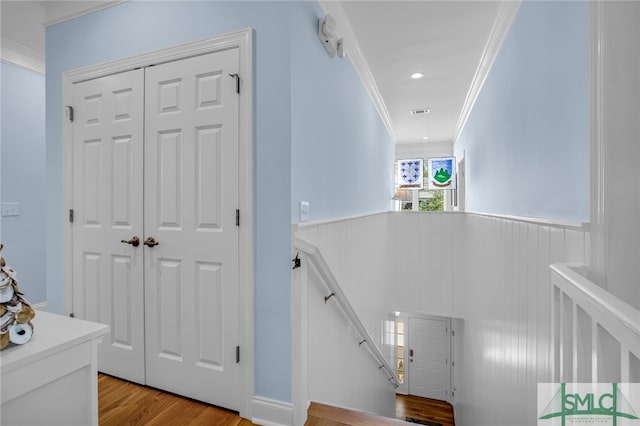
437 412
326 415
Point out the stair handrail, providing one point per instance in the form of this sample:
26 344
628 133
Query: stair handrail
314 254
599 303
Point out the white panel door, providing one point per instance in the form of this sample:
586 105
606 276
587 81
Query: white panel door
429 347
191 197
107 202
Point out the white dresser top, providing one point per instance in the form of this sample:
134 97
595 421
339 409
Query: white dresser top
51 333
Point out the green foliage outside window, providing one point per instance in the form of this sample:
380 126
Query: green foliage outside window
433 204
436 202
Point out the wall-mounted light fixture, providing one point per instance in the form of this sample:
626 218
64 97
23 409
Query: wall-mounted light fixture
327 32
403 195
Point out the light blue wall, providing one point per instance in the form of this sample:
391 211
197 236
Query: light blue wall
342 154
23 176
282 44
1 117
526 141
139 27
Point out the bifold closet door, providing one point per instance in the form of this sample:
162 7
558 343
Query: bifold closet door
108 209
155 241
191 196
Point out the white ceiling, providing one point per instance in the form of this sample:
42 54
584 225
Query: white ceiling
386 40
22 23
444 40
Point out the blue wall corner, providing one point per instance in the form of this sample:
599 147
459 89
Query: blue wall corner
23 177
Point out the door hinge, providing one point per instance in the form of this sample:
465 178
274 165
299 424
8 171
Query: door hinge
69 112
72 315
237 354
71 215
237 77
237 217
453 332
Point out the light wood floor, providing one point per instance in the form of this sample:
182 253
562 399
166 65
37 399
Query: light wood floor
124 403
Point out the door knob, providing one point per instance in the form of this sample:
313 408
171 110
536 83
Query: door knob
135 241
151 242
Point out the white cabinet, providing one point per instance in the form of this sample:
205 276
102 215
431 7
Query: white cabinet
52 380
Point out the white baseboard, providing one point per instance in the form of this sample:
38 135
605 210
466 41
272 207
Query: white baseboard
40 306
270 412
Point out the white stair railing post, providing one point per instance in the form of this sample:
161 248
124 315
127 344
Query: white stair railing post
614 325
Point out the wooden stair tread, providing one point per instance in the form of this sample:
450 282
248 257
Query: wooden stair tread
326 415
425 409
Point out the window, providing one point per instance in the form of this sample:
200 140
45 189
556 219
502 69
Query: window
428 200
400 351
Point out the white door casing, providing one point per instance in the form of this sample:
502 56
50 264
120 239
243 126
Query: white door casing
429 350
462 182
191 197
107 184
242 42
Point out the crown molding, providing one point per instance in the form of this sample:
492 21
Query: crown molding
21 55
352 47
60 11
506 15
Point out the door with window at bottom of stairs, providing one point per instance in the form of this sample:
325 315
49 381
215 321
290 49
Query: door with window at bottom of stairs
429 355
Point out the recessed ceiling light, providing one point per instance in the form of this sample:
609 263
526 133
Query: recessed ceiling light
417 75
425 137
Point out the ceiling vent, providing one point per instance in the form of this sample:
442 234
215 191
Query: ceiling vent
421 111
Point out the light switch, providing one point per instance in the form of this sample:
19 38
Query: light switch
304 211
11 209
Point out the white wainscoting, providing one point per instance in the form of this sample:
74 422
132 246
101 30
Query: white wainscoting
342 372
491 272
507 315
356 251
330 365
